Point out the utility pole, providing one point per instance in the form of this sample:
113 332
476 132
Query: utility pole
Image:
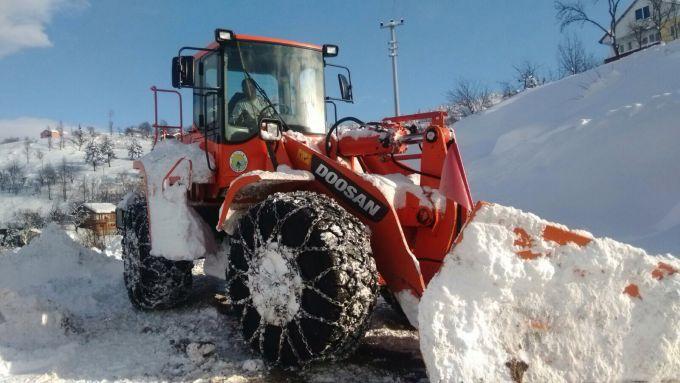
392 48
110 122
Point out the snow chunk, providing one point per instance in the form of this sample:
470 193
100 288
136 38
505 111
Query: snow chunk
394 188
603 312
409 305
252 365
177 231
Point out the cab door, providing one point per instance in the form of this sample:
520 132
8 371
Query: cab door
208 108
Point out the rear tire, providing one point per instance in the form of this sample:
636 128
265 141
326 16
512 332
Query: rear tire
152 282
302 278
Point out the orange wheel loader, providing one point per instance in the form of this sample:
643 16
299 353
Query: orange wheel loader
307 220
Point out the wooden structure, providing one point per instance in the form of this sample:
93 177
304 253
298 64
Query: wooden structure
50 133
98 217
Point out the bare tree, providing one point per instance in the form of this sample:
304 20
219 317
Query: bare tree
60 130
16 177
93 154
27 149
638 29
92 239
64 176
134 149
527 74
574 12
78 137
48 177
145 129
572 57
106 147
471 97
40 155
91 131
663 11
49 139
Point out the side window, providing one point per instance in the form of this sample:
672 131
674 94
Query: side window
210 79
206 101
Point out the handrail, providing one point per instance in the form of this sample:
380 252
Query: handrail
164 128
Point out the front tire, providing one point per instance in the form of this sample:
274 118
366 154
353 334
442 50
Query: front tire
151 282
302 279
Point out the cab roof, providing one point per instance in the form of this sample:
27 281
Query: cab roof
261 39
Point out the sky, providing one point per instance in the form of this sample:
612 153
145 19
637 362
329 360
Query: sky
74 60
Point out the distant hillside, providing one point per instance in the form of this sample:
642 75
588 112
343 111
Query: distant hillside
82 184
599 150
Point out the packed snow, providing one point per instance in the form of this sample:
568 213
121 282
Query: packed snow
508 305
598 150
177 231
65 316
275 284
395 187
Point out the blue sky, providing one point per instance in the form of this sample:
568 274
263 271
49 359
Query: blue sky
81 58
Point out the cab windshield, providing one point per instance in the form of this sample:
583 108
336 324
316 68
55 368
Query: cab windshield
292 79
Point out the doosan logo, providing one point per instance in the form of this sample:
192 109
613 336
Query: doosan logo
348 190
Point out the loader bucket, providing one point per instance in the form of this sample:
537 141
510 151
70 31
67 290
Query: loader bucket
522 299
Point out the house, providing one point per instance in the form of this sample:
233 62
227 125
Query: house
98 217
635 29
49 133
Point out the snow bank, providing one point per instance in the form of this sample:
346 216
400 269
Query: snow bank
65 317
177 231
596 150
508 303
46 290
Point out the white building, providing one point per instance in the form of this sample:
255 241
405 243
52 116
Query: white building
635 28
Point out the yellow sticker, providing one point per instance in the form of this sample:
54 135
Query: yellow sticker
304 156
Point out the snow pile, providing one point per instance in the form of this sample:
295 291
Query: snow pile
177 231
47 290
596 150
509 304
65 317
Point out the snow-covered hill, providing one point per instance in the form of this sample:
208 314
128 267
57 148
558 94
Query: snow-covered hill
31 199
597 150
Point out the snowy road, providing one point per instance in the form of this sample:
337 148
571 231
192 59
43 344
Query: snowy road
70 320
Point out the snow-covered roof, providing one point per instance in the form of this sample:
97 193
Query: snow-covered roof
100 207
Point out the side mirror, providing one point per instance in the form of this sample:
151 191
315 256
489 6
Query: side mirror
183 71
345 88
270 129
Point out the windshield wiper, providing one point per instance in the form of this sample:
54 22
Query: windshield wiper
260 90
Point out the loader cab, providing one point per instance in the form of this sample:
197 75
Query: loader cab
240 80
